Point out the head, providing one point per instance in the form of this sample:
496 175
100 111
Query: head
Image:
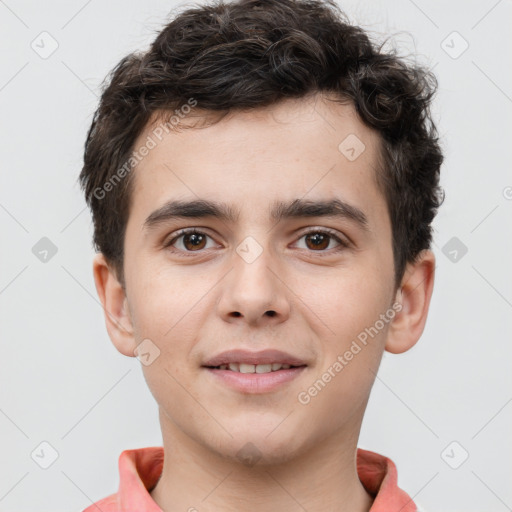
270 116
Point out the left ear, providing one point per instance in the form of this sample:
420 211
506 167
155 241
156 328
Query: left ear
414 295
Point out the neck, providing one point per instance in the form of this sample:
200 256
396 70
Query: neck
318 480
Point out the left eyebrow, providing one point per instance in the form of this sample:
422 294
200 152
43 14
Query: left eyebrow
298 208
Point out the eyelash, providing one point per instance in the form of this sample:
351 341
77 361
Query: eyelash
325 231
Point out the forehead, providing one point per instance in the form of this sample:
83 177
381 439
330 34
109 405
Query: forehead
308 148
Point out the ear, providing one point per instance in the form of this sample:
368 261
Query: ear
414 296
115 306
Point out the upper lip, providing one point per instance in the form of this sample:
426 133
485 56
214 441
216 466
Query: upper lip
262 357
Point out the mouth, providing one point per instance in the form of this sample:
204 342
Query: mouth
254 368
254 379
249 372
252 382
245 361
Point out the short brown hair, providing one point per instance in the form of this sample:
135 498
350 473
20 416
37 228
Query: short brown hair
253 53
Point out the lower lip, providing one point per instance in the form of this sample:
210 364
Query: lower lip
256 382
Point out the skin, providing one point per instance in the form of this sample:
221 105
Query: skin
194 307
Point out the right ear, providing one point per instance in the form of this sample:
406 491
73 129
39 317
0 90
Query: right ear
115 306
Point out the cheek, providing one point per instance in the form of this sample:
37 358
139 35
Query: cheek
351 299
164 301
167 313
352 332
339 386
169 308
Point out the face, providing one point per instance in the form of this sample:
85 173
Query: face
308 283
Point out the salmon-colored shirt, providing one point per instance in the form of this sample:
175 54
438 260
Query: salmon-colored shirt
140 469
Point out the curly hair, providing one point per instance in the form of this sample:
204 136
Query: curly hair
253 53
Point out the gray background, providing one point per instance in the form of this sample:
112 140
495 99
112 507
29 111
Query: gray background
63 382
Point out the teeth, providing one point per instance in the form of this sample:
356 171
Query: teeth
254 368
247 368
263 368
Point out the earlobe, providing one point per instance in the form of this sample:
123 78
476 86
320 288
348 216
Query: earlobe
414 299
115 306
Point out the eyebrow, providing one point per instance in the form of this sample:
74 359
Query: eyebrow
298 208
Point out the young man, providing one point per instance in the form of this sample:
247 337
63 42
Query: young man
262 182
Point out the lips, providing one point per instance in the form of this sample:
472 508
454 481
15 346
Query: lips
248 372
242 360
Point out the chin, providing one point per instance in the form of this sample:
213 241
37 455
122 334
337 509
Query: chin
254 447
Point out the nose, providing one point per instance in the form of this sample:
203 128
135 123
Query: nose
253 292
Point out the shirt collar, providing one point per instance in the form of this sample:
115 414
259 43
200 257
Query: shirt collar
140 469
379 476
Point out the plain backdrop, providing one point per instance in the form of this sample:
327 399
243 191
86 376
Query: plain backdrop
441 411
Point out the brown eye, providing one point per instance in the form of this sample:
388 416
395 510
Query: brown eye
187 241
318 240
194 241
